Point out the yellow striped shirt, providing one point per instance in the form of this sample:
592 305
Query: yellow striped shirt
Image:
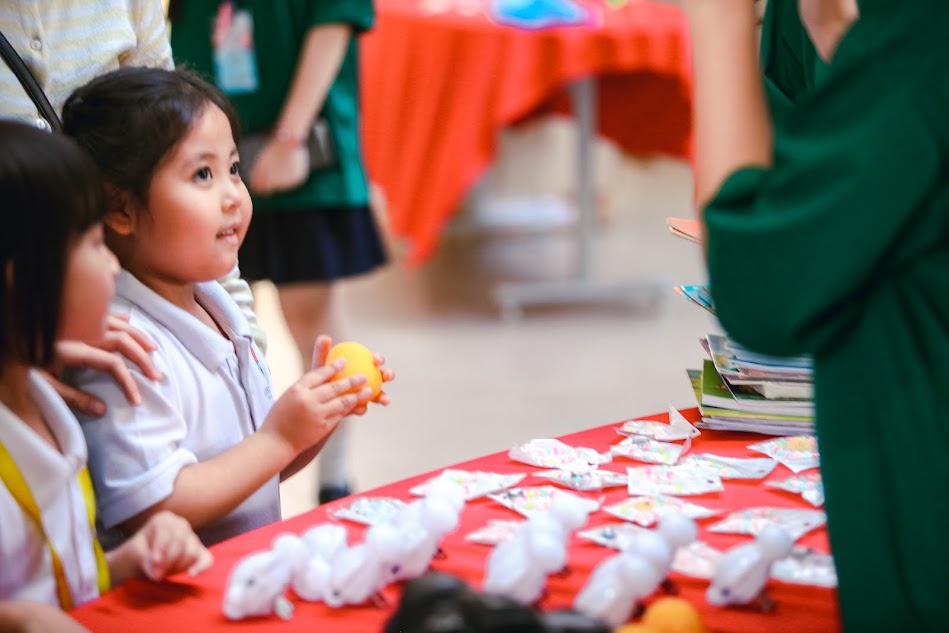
65 43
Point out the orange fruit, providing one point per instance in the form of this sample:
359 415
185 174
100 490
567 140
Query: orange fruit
635 628
358 361
673 615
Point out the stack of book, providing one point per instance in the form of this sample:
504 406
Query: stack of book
741 390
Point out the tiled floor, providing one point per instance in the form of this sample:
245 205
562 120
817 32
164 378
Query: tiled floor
469 382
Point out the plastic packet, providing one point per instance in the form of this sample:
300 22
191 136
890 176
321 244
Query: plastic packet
697 559
534 499
644 449
737 467
678 428
371 510
584 481
550 453
809 485
614 535
795 522
798 452
647 510
474 483
493 532
806 566
683 479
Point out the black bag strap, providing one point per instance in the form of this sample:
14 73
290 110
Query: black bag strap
28 81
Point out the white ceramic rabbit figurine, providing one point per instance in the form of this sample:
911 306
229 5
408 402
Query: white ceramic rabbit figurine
742 573
357 573
323 542
616 586
257 583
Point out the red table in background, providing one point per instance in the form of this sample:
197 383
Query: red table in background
195 604
437 88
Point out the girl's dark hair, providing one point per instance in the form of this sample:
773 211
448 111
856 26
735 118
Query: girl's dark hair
130 119
50 193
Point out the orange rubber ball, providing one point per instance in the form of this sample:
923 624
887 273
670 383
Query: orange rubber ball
673 615
359 360
635 628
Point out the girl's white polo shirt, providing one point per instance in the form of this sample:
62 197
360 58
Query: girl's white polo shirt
26 570
214 392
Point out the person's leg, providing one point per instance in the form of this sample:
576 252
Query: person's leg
308 311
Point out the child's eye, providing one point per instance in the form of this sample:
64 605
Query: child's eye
235 171
203 174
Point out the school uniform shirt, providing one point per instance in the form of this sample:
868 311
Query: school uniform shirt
26 570
256 70
841 250
214 393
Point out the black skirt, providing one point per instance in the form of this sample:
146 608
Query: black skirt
320 245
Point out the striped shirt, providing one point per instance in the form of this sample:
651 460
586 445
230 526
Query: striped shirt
65 43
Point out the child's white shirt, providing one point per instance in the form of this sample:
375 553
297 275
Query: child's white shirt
26 570
214 393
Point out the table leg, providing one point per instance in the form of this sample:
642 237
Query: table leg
512 297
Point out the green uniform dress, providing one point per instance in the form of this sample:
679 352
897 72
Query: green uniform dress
789 60
323 229
841 251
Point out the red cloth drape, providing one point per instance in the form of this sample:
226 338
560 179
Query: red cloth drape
437 88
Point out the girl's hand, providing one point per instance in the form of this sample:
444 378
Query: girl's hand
321 351
281 166
166 545
119 337
310 409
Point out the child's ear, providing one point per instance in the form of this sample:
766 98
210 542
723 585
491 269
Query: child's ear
120 216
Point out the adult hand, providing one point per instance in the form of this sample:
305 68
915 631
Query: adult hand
120 337
281 166
826 22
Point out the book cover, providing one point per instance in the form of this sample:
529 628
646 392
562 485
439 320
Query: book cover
686 228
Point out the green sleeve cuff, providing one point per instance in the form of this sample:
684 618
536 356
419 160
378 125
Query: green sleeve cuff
357 13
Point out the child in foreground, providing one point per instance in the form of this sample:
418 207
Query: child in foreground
208 441
57 280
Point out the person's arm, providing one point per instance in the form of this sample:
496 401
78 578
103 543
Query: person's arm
794 250
304 416
284 162
731 118
21 616
152 47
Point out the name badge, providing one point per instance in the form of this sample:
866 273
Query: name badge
235 61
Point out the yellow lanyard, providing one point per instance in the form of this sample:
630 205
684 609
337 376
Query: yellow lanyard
16 484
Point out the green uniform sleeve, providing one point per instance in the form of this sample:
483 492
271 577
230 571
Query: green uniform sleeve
789 61
357 13
793 249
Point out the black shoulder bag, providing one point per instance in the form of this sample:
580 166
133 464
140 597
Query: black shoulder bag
28 81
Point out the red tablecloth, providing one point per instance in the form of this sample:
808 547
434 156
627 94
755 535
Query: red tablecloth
195 604
437 88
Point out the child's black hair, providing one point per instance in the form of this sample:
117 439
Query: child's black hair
130 119
50 193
